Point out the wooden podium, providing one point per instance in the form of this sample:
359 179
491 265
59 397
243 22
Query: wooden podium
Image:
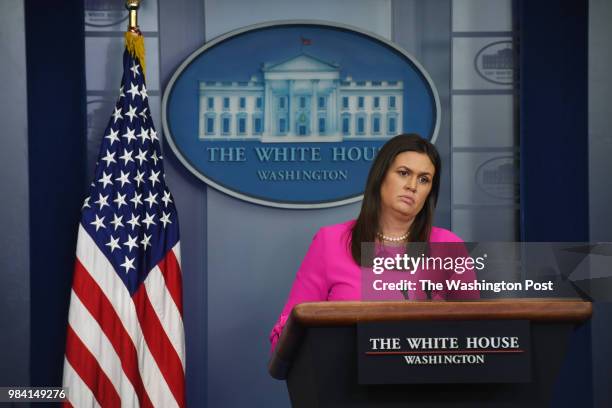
317 352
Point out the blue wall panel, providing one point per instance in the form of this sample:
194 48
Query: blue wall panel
554 151
56 120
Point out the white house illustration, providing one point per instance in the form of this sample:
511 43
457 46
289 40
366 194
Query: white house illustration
302 99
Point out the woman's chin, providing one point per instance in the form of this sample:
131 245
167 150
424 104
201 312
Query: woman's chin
405 210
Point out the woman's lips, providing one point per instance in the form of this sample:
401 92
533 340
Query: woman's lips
407 199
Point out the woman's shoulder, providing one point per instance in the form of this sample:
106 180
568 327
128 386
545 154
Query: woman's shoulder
443 235
337 229
334 237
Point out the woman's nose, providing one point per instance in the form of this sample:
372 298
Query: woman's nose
411 184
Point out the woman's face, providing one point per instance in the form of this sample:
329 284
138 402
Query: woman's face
407 184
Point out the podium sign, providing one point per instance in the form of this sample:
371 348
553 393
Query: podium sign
419 352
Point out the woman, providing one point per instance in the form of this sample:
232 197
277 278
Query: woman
398 207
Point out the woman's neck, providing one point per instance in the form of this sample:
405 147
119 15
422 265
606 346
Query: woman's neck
394 226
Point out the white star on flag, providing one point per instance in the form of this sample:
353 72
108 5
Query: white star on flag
154 157
134 221
113 243
136 200
166 199
124 178
128 264
139 177
134 69
129 134
142 156
131 242
109 158
102 200
145 241
165 219
149 220
117 221
131 113
120 200
154 177
151 199
133 91
127 157
113 136
143 135
98 223
117 115
105 180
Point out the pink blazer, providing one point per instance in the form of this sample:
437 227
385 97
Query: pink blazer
328 272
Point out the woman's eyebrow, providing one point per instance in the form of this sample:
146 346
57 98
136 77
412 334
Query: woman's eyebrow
424 173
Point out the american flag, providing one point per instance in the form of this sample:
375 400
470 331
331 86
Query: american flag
125 340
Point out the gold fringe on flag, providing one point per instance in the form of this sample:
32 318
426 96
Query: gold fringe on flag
134 43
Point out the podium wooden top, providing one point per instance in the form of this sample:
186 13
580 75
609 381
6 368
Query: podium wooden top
326 314
348 313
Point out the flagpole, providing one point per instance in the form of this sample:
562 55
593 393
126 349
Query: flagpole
132 6
134 40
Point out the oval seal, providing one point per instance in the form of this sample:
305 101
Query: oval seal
498 177
495 62
291 114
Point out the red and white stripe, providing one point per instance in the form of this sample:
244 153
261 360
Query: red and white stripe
124 350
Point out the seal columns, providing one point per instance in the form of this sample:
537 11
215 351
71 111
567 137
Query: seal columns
334 109
268 101
290 108
314 129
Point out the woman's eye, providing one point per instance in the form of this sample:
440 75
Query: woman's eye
423 180
402 173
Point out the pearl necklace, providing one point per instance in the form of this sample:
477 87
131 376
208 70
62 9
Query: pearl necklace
393 239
